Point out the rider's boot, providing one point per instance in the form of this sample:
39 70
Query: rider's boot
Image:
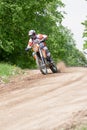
49 59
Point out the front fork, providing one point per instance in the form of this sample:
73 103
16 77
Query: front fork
34 55
42 55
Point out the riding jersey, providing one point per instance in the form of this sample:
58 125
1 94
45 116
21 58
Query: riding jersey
36 40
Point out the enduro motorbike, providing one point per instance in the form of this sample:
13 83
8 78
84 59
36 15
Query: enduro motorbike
42 63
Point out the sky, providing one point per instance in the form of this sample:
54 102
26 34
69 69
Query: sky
76 14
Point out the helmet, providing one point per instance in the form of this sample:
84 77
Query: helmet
31 32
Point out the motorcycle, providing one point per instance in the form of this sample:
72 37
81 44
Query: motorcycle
42 63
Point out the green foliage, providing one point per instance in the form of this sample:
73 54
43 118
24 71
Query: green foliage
85 34
7 70
81 127
19 16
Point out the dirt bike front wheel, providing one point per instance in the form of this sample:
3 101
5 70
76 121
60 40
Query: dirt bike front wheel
43 69
41 66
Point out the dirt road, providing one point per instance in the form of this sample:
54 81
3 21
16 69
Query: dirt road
38 102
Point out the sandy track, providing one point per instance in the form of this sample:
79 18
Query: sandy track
52 102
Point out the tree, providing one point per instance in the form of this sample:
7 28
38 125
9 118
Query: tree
85 34
17 18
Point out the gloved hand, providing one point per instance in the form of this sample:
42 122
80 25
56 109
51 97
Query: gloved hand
26 49
42 40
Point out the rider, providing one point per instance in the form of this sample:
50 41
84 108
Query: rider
41 38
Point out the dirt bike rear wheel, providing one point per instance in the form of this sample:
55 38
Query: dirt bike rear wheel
53 68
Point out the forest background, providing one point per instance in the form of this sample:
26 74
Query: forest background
46 17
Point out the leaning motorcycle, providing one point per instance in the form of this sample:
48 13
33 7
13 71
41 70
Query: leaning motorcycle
41 62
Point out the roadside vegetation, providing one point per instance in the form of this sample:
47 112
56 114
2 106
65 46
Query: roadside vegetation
8 70
81 127
85 34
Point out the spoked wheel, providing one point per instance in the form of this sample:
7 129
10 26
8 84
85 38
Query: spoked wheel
43 69
54 68
41 66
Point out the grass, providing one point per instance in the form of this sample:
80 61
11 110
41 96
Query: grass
83 127
7 70
80 127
